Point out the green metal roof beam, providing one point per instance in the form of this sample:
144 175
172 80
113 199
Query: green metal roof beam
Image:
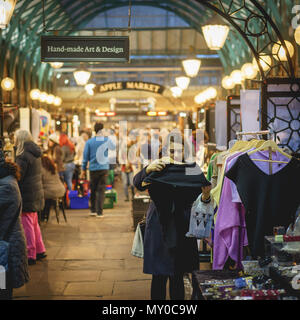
13 55
190 20
12 27
29 62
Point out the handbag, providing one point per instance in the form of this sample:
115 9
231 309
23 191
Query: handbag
4 245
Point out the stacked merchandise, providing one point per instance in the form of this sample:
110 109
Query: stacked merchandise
230 285
256 191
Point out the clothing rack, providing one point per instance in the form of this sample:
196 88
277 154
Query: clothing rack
252 133
239 137
265 132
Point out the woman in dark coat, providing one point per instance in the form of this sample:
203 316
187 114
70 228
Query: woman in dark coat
168 254
10 208
28 157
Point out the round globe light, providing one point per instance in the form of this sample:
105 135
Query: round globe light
200 98
249 71
50 99
279 53
297 35
228 83
211 93
57 101
35 94
265 62
43 96
7 84
236 76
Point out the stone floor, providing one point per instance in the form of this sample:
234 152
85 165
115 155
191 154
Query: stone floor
88 258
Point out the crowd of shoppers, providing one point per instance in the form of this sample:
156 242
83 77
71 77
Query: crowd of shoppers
27 188
39 177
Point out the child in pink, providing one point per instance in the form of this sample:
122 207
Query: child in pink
35 244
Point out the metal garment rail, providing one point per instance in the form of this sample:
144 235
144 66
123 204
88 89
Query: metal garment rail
252 133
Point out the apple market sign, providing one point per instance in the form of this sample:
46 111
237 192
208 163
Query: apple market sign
130 85
84 49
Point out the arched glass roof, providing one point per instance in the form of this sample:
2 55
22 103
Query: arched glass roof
141 17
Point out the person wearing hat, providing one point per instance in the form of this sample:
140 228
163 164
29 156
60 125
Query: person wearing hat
11 229
56 153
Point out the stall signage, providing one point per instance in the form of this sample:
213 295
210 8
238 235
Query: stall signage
130 85
84 49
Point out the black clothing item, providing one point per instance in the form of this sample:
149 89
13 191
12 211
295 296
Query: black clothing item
159 286
98 186
187 175
30 184
180 186
161 256
269 200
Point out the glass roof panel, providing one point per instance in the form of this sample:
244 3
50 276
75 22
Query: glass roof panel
141 17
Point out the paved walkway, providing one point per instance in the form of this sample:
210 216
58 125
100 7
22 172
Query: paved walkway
89 258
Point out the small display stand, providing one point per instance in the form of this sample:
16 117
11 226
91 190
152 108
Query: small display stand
140 205
110 197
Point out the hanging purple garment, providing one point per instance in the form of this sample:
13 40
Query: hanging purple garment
230 235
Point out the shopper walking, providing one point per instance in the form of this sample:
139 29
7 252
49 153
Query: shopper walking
28 157
127 170
96 155
56 153
81 141
11 229
52 185
68 149
79 148
173 187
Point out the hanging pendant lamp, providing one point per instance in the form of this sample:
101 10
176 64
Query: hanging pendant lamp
215 33
82 76
182 82
6 10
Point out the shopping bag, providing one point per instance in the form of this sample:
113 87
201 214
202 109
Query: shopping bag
201 219
138 242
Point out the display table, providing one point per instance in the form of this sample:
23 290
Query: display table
200 281
223 285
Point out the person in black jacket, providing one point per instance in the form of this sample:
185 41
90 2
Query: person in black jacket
11 229
173 187
28 157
